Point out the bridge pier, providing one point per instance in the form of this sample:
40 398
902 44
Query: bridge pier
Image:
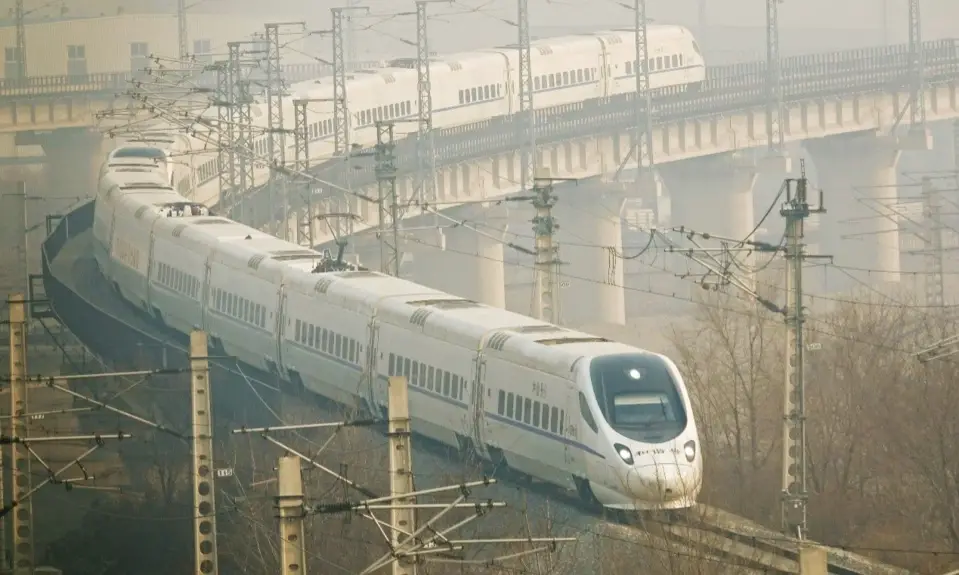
590 241
463 262
861 227
74 157
713 195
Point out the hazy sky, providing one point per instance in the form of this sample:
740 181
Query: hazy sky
389 33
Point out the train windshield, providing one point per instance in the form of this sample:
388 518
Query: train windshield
638 397
138 152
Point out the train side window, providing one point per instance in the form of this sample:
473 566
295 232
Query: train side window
527 409
415 374
323 337
536 83
579 75
586 413
545 422
462 97
562 422
552 81
536 412
499 90
406 367
629 68
680 59
659 62
312 336
486 93
675 60
554 419
431 377
501 402
509 405
566 78
336 345
355 356
446 389
446 379
392 370
423 375
296 330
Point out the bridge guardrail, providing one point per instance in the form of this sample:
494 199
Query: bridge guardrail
119 82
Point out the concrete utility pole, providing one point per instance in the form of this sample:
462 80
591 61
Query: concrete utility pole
290 512
388 224
22 520
204 510
403 508
932 216
406 541
527 113
794 496
24 233
774 106
275 91
181 32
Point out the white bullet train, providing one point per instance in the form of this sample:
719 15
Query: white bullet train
608 420
471 87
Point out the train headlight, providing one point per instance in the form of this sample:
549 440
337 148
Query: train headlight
624 453
689 450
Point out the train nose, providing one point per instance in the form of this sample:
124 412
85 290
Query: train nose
662 482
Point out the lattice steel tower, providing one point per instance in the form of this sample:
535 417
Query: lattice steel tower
526 111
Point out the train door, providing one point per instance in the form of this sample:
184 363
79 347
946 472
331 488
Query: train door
279 325
205 301
604 80
376 394
476 415
577 459
151 263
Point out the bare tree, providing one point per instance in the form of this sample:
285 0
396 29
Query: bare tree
731 361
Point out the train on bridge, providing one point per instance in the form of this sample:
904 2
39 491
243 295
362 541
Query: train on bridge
609 421
465 88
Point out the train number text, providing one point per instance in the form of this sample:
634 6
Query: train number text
539 389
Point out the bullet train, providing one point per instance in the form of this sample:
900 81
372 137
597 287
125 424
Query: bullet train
470 87
609 421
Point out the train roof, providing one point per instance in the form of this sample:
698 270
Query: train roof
494 327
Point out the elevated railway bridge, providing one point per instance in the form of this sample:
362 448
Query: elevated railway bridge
849 109
846 107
